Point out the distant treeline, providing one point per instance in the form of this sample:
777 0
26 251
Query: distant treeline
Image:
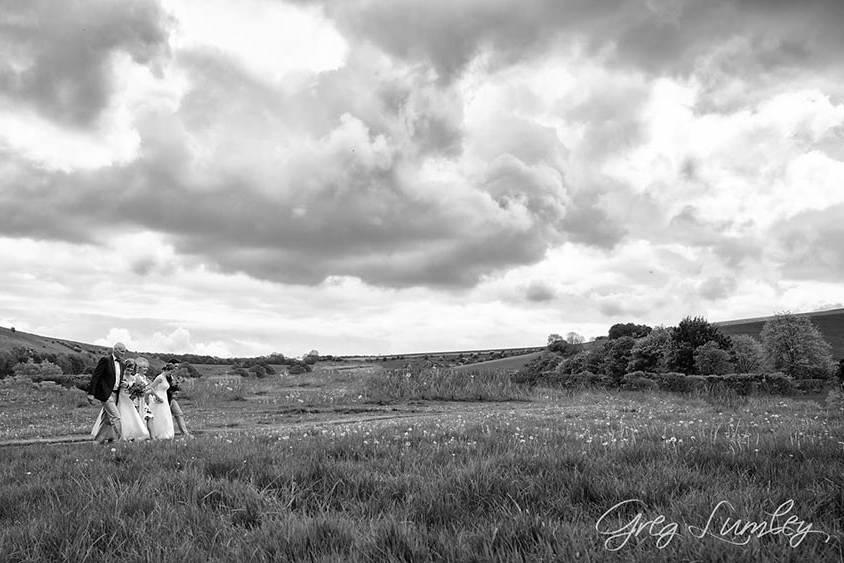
271 359
789 344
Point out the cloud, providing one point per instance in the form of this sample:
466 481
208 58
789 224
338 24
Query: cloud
658 36
60 61
810 245
716 288
539 292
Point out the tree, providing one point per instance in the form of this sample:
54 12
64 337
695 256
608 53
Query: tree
628 329
710 359
747 353
554 338
574 338
651 353
687 336
618 356
795 346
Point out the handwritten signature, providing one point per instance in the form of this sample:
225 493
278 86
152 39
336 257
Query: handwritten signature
720 525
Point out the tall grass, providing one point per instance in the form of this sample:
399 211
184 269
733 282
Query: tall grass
443 384
489 487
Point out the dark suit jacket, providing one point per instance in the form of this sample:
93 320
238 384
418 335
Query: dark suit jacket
102 380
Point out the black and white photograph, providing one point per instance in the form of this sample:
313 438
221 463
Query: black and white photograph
422 280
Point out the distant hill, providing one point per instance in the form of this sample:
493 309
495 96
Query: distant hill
11 339
512 363
830 323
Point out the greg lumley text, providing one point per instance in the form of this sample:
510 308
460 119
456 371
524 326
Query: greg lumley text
722 525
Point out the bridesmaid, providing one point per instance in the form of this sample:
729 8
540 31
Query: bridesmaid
161 423
142 401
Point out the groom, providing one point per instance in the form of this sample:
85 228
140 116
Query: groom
105 385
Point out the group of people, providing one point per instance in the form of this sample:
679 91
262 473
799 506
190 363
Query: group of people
133 407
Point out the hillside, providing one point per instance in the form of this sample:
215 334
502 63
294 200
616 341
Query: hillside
830 323
11 339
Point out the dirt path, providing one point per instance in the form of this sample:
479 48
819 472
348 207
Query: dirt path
407 412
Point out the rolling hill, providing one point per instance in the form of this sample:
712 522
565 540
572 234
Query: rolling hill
11 339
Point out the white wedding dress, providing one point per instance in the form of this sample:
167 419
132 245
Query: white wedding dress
131 424
161 423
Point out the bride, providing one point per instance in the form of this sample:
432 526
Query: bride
132 425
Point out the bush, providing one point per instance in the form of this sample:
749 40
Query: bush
747 353
710 359
651 352
298 368
776 383
687 336
675 381
574 364
811 385
582 380
618 356
537 368
68 381
241 371
637 381
31 369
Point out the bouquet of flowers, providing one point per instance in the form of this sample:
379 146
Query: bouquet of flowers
136 390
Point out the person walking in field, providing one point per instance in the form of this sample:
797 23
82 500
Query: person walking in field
174 383
160 423
105 387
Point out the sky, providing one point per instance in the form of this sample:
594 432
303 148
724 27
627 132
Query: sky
388 176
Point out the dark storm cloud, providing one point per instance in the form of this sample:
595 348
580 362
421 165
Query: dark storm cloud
57 57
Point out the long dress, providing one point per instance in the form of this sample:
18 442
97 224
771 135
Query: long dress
161 423
131 423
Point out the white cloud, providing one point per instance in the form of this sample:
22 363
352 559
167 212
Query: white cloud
270 39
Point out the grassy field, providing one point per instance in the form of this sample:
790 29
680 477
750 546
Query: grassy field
365 465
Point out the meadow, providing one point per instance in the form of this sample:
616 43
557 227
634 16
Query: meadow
363 464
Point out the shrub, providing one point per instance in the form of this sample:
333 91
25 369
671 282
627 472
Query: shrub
31 369
674 381
776 383
632 330
582 380
241 371
298 368
687 337
811 385
574 364
710 359
747 353
68 381
537 368
651 353
618 356
637 381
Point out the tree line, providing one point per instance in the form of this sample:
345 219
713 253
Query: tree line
788 343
